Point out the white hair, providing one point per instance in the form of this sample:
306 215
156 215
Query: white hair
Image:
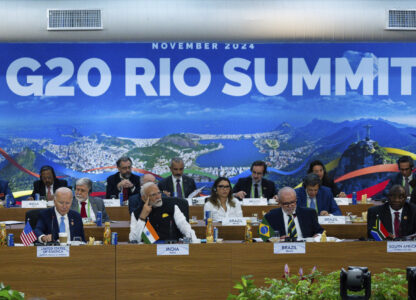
145 186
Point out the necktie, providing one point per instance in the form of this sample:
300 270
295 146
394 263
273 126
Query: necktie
312 204
83 210
256 190
49 195
396 224
291 228
178 188
406 186
62 225
125 194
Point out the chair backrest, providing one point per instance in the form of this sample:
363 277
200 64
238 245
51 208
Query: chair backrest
33 215
183 206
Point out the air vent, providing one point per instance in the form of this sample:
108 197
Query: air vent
401 19
74 19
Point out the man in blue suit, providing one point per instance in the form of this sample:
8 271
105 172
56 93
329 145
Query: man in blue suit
318 197
305 220
5 190
59 219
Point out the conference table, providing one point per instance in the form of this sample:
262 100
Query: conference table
129 271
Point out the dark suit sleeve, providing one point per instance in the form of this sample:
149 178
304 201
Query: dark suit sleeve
36 189
239 186
333 206
371 220
316 228
111 188
41 225
271 189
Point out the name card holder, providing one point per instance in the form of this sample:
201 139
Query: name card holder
234 222
172 249
34 204
402 246
342 201
196 201
289 248
332 220
254 201
111 202
52 251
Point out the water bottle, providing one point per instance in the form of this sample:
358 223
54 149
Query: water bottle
99 218
209 231
8 201
37 196
120 196
354 198
248 234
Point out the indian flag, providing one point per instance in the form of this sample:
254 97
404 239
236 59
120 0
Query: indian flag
265 230
149 235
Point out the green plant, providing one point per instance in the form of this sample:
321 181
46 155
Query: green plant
9 294
387 285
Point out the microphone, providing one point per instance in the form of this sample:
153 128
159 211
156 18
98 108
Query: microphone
171 240
53 218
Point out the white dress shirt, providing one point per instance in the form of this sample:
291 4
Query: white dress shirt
218 213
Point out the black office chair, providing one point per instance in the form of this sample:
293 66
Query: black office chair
183 206
32 216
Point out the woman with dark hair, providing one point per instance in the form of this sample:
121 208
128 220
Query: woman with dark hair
221 203
318 168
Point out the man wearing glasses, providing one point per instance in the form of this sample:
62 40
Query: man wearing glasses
405 177
397 216
255 186
290 220
163 214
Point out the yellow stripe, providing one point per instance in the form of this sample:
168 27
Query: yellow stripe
399 152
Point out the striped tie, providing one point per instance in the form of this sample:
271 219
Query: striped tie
291 228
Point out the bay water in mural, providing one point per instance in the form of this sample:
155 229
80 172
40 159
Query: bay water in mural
80 106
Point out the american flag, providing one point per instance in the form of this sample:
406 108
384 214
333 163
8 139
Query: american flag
27 236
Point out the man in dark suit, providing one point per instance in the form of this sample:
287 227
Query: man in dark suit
48 183
136 200
313 195
405 176
4 191
59 219
177 185
86 205
397 216
289 216
124 181
255 186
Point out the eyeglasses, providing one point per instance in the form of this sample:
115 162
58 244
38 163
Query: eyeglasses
223 186
287 203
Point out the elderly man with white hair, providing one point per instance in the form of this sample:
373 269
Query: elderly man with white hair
163 214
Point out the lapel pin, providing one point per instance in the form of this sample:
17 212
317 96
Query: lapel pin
404 217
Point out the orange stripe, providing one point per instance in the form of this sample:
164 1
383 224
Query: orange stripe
152 230
368 170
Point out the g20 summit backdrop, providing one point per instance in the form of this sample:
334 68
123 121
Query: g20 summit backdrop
80 106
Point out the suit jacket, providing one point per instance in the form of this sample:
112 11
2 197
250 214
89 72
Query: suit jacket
48 224
407 222
324 199
39 187
398 179
97 205
113 180
244 184
5 190
307 217
188 184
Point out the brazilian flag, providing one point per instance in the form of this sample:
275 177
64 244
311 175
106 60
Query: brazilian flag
265 230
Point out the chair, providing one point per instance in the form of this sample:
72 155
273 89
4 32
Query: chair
183 206
32 216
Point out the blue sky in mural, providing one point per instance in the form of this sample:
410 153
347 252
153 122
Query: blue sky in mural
210 112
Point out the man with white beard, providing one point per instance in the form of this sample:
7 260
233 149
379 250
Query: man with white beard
162 213
86 205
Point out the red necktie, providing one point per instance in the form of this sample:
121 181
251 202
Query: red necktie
49 195
83 210
125 194
396 224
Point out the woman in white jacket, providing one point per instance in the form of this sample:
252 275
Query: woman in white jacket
221 203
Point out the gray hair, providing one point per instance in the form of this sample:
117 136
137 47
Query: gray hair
147 178
311 180
145 186
285 190
176 160
62 190
86 182
123 159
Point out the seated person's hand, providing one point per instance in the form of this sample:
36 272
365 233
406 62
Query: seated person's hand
166 193
240 194
47 238
342 195
324 213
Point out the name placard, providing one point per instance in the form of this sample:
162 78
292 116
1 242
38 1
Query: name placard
34 204
289 248
172 249
342 201
254 201
196 201
52 251
402 246
332 220
111 202
234 222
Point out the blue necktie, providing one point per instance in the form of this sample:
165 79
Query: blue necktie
62 225
312 204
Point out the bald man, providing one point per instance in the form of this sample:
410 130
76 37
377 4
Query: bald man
135 200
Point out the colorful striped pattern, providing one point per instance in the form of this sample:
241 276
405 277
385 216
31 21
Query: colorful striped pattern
149 234
379 232
27 236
